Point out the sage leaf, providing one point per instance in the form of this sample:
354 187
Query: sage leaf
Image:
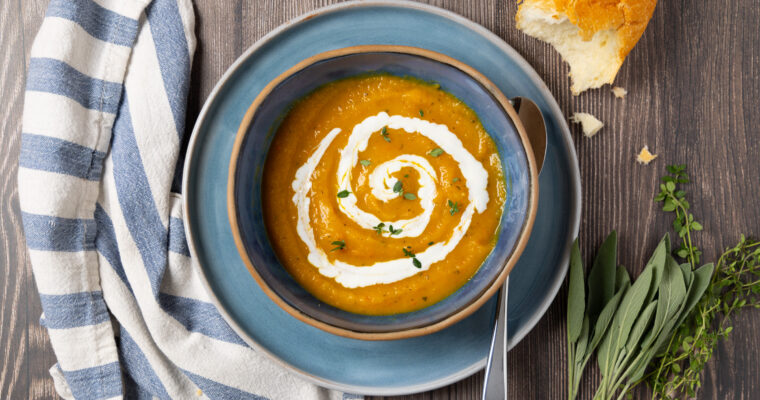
666 240
576 359
580 349
636 371
630 307
671 294
603 322
576 296
601 279
701 279
657 263
687 274
621 278
688 278
664 337
603 356
617 336
642 322
676 290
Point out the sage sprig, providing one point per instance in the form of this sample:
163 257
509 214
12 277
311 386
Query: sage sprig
626 353
635 322
606 285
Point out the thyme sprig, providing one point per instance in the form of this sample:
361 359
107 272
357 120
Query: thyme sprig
384 134
674 200
339 245
734 286
415 261
453 207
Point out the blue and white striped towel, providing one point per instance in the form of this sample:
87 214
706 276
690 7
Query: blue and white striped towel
104 116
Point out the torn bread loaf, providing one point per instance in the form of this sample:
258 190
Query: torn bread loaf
593 36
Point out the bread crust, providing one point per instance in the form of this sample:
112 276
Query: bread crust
629 18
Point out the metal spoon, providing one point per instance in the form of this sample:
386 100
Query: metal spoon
495 384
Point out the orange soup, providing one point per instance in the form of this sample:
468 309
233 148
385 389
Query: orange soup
381 194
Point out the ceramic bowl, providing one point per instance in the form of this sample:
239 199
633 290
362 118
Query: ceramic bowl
249 155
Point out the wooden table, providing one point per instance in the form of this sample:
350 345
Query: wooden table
694 97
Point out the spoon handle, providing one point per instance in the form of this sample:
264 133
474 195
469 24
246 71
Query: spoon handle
495 384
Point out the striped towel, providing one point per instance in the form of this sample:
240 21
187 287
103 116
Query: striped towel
104 117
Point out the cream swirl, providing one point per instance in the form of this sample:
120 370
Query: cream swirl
381 182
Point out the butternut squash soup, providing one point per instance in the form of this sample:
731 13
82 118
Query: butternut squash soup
381 194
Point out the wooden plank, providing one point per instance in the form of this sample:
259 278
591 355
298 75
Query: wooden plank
14 365
40 356
27 354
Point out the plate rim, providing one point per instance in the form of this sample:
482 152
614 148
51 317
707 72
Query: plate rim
486 34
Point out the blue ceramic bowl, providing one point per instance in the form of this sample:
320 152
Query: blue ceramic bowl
250 153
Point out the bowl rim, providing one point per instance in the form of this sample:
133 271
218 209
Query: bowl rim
476 302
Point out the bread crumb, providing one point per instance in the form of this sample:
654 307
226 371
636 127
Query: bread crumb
619 92
590 124
199 392
645 157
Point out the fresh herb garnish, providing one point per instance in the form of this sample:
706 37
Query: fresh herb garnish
398 188
422 114
343 194
410 196
384 133
415 261
339 245
455 180
365 163
663 328
735 285
631 322
453 207
431 243
379 229
406 175
674 200
596 312
436 152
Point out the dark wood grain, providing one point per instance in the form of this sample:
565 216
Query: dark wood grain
25 354
13 275
694 96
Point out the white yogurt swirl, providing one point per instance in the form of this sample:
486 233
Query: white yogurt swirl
381 183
